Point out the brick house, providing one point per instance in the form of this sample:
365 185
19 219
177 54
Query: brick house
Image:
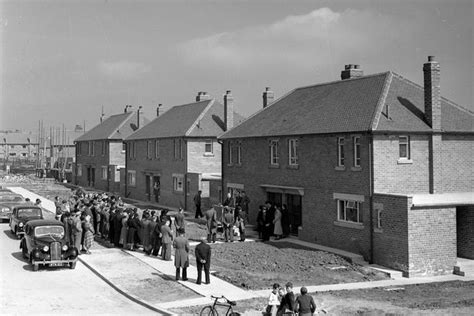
177 153
100 155
375 165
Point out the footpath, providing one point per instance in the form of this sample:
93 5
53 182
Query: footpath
149 281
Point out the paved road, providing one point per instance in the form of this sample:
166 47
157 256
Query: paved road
54 290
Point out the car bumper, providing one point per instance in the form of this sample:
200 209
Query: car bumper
53 262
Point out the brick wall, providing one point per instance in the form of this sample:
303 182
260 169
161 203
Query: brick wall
431 241
116 153
394 176
391 239
465 231
458 163
201 162
318 176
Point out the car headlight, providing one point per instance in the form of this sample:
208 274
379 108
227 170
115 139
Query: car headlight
45 248
5 209
21 224
64 247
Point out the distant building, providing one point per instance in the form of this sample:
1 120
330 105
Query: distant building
375 165
100 154
177 153
18 146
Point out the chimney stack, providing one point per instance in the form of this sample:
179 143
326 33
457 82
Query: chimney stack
158 110
351 71
202 95
139 117
268 97
126 108
431 72
228 110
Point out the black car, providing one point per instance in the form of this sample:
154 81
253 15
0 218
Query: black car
7 203
21 214
44 243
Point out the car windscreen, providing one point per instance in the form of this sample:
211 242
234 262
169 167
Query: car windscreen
29 212
10 198
53 230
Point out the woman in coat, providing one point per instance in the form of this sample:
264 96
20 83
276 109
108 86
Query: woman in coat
181 254
124 231
145 232
88 230
277 228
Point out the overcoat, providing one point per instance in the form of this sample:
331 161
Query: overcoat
203 252
181 257
167 236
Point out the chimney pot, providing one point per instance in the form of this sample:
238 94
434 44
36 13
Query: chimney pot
228 110
431 58
268 97
351 71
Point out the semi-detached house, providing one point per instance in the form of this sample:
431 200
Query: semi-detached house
376 165
100 156
177 153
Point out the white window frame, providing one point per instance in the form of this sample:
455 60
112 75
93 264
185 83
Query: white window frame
340 152
209 144
178 182
157 149
149 147
356 148
178 148
343 206
90 150
404 141
379 219
239 153
274 152
103 149
104 172
229 152
293 152
132 178
79 170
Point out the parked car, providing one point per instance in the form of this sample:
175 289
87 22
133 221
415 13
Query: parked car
21 214
7 202
44 243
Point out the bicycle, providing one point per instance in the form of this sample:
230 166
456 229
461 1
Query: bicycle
211 309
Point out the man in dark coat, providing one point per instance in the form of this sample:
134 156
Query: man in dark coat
228 225
197 203
203 260
117 227
287 303
211 219
166 239
179 221
181 254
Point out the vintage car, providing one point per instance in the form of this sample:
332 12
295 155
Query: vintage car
44 243
7 202
21 214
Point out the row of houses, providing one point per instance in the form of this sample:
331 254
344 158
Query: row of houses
372 164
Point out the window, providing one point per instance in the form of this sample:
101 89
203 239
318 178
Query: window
79 170
12 146
293 152
274 152
229 148
178 149
104 172
78 148
178 183
404 147
379 219
238 148
132 177
208 147
91 148
348 211
157 149
356 145
23 154
12 154
340 151
104 148
131 150
149 149
24 146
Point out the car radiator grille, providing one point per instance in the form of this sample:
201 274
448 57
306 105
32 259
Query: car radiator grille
55 248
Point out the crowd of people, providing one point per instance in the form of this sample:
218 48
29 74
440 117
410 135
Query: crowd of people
282 301
273 220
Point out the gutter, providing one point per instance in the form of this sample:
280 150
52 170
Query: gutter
221 142
371 196
186 188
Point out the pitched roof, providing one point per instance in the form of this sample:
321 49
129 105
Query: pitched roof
18 138
118 126
197 119
351 105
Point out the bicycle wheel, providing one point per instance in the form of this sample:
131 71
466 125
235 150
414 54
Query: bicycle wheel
208 311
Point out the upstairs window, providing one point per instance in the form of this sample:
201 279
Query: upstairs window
91 148
348 211
340 151
274 152
404 147
103 148
157 149
229 152
209 147
293 152
149 149
178 148
238 149
78 148
356 145
131 150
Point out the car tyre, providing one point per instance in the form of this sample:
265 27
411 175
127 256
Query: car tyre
24 252
72 265
35 267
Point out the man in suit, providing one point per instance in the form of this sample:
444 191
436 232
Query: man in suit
166 239
181 254
203 260
211 218
197 203
228 225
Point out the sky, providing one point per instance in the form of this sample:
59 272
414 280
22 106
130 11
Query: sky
62 62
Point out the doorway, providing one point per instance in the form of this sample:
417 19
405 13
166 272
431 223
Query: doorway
293 204
156 188
148 187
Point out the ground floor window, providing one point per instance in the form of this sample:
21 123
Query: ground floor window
348 211
104 172
178 183
79 170
132 177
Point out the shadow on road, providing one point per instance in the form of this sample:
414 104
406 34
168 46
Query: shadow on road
10 235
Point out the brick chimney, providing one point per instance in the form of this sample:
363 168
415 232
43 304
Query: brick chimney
202 95
268 97
351 71
158 109
431 72
139 117
228 110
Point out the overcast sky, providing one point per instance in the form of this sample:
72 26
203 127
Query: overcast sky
62 61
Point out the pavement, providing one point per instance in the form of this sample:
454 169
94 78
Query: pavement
114 266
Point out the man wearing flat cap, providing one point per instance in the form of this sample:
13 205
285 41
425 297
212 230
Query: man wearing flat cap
203 260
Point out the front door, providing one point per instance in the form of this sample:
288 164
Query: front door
156 188
293 202
148 187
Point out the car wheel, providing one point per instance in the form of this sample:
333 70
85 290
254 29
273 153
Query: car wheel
72 265
35 267
24 252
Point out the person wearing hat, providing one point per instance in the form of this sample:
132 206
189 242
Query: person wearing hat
228 225
166 239
202 253
179 221
181 255
305 305
77 230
